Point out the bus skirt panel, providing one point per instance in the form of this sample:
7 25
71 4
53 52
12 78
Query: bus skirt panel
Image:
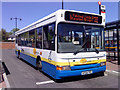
49 69
68 73
28 58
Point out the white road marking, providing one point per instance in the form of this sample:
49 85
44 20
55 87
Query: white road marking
45 82
115 71
112 71
108 70
105 74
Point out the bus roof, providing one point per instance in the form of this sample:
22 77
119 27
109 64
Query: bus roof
50 15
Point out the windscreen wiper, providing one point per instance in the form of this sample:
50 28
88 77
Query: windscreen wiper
80 48
84 45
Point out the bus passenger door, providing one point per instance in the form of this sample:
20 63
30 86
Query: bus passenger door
49 47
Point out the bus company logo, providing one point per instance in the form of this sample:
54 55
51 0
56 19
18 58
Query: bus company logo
83 60
34 51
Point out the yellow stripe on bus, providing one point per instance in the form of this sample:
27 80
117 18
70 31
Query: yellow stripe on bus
107 47
97 47
72 63
112 47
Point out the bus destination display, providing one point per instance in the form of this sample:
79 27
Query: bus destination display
82 17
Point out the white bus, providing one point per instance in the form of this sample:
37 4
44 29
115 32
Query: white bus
64 43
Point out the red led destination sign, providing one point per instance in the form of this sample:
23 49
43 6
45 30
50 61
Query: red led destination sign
82 17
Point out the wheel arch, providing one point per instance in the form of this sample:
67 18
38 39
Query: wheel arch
38 59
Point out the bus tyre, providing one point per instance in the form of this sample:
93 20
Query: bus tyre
39 65
101 73
18 56
58 80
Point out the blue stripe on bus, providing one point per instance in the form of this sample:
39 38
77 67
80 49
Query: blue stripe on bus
85 66
49 69
28 58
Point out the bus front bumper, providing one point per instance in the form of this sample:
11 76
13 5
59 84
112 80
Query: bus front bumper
67 73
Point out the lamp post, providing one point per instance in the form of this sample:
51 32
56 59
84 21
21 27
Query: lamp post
16 19
99 7
62 4
118 50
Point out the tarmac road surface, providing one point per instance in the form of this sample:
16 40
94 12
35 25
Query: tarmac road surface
22 75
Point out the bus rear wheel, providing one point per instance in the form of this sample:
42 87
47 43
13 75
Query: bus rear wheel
39 65
18 56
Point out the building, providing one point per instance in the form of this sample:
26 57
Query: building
11 38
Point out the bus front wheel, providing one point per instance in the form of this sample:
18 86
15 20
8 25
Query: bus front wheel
101 73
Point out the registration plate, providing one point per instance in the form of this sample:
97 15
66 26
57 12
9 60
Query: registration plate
87 72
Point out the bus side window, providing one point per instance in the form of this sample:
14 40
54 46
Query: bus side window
49 37
45 37
16 40
32 38
19 40
26 38
22 39
39 38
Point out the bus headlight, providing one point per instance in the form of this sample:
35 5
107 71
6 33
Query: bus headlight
63 68
102 63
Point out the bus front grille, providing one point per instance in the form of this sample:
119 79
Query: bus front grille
85 66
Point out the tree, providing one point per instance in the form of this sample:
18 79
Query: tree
4 35
10 33
13 31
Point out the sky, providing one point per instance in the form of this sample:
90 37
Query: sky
30 12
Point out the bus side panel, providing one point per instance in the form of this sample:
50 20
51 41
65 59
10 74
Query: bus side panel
28 58
49 69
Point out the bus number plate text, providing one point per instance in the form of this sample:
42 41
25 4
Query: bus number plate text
86 72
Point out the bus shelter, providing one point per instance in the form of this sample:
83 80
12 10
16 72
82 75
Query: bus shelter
112 40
